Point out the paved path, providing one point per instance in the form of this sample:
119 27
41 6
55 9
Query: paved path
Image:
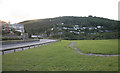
77 50
24 44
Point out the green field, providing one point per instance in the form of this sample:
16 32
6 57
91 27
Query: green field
59 57
98 46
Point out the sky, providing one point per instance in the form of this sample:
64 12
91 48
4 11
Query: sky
20 10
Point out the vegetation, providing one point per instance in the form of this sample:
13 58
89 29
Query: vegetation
9 38
98 46
108 30
58 57
5 32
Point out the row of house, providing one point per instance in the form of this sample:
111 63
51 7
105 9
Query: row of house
76 27
78 30
12 30
9 27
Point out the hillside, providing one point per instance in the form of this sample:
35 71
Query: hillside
70 27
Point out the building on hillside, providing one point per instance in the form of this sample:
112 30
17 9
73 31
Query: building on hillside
8 27
51 28
5 26
82 32
84 27
62 23
60 33
75 28
92 33
107 31
13 30
76 32
71 31
81 28
19 28
99 26
90 28
36 36
76 25
64 27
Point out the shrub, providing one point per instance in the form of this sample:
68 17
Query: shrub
7 38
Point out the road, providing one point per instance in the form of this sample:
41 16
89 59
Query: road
24 44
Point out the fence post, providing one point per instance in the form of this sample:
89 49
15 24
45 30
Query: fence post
29 46
3 52
14 50
34 46
22 48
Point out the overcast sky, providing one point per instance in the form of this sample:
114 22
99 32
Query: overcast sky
21 10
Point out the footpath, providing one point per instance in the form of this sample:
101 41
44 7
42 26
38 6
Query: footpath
90 54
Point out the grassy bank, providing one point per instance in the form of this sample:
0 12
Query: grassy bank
57 57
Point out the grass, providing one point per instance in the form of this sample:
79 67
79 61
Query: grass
56 57
98 46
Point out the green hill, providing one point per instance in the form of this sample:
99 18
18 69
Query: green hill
71 27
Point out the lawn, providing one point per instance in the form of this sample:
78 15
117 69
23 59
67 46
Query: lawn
57 57
98 46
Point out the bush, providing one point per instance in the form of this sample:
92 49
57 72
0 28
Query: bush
6 38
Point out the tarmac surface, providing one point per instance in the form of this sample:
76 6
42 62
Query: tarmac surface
24 44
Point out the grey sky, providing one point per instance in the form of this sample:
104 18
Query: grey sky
21 10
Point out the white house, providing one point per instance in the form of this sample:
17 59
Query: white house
75 28
36 36
51 28
64 27
77 32
62 23
99 26
76 25
82 32
90 28
19 28
84 27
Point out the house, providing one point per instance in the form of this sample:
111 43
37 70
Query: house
36 36
77 32
19 28
82 32
44 35
60 33
59 28
95 28
84 27
99 26
75 28
92 33
70 31
62 23
76 25
51 28
107 31
64 27
101 31
5 26
51 34
8 27
90 28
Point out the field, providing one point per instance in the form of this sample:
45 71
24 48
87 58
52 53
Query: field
98 46
59 57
